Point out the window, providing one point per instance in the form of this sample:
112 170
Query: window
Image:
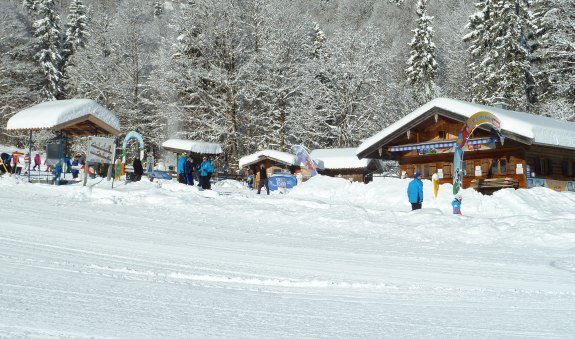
534 165
568 168
494 167
441 135
546 166
426 171
502 166
469 168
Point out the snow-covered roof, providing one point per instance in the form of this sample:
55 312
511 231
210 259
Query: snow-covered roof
286 158
338 158
194 146
61 114
539 129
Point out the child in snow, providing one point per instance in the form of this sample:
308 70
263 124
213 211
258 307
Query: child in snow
456 203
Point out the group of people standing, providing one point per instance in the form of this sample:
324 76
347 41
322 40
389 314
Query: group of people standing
415 195
186 169
11 162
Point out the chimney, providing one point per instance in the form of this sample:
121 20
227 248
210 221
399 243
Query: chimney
500 103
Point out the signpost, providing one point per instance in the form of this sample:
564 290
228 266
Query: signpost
100 150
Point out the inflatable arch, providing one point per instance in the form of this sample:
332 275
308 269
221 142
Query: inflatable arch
137 136
474 121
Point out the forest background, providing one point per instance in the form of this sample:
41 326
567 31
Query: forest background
255 74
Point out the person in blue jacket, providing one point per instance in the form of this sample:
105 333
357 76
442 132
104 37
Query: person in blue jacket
182 169
415 192
206 170
456 203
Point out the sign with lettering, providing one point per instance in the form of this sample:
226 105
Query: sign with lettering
101 150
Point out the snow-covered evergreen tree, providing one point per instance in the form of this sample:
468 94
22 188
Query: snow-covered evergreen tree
158 9
31 5
555 57
75 37
422 70
47 33
19 73
500 58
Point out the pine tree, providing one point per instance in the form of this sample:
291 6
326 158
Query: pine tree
31 5
318 41
555 57
422 69
76 36
158 9
47 32
500 58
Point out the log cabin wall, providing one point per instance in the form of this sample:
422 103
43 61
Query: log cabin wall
504 161
551 163
356 175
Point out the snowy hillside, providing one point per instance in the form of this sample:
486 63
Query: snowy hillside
329 259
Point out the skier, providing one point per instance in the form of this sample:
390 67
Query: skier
415 191
456 203
263 179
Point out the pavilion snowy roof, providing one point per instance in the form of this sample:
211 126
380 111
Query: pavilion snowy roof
194 146
286 158
538 129
64 114
338 158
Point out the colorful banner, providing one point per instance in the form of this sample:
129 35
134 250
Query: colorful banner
302 157
474 121
477 119
137 136
556 185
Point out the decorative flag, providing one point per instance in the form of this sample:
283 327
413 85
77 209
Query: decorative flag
435 180
303 157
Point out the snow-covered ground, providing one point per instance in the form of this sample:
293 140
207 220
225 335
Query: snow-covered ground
329 259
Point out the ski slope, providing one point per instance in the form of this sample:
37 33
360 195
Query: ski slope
329 259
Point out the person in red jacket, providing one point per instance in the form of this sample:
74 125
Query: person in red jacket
37 162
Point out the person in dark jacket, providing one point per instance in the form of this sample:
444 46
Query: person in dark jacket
189 170
138 169
75 170
263 179
415 192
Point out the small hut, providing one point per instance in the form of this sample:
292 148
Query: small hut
69 118
198 149
343 163
274 161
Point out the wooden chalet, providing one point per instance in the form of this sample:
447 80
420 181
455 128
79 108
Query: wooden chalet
343 163
274 162
536 150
